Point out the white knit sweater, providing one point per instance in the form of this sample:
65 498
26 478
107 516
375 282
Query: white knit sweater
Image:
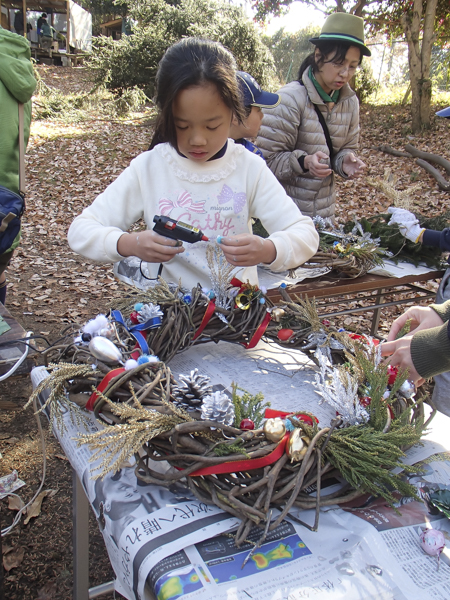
219 197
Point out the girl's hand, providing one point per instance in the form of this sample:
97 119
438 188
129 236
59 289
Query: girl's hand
247 250
149 246
399 352
315 167
353 166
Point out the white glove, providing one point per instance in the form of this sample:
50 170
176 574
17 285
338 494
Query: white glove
407 223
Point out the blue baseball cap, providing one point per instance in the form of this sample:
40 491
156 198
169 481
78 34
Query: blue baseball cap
445 112
253 94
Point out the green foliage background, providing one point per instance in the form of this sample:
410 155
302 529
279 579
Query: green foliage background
133 60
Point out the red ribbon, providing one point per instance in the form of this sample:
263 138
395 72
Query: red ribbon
237 466
259 332
271 413
102 386
235 282
363 339
206 317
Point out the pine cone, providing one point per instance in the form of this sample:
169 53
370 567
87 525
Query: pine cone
218 407
191 390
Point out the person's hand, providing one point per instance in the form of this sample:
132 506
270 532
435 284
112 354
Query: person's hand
422 317
399 352
353 166
149 246
247 250
317 168
407 223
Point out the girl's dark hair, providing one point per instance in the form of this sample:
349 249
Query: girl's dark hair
337 50
189 63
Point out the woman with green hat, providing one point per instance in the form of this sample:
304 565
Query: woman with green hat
314 132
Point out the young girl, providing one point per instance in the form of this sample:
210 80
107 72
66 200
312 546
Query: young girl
195 173
293 139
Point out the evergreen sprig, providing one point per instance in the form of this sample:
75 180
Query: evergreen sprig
365 457
236 447
248 406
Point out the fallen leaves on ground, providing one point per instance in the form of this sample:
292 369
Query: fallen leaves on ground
13 557
15 503
34 510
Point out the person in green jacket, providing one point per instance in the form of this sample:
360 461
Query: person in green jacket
17 84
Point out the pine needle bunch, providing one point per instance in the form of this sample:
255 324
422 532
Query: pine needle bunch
236 447
373 379
365 457
307 310
57 401
161 293
116 443
398 246
248 406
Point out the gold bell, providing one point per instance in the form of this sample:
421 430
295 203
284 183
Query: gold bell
278 314
243 301
274 429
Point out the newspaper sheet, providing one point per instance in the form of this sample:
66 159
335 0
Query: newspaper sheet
399 532
165 544
401 269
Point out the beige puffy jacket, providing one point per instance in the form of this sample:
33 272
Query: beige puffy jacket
292 128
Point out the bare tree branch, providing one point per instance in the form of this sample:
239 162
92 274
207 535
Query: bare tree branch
443 184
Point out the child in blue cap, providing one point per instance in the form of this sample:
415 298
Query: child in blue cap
254 99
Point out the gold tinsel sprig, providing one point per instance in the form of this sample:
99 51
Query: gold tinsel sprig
161 293
115 444
57 401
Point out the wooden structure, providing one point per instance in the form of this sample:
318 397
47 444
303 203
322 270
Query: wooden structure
112 28
52 7
57 6
370 290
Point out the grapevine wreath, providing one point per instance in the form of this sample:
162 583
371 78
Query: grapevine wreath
230 447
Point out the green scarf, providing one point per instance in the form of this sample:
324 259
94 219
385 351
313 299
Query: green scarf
334 97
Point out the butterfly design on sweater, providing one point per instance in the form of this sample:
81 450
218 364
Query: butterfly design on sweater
184 201
238 198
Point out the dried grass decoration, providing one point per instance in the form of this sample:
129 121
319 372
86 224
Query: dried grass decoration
349 255
229 456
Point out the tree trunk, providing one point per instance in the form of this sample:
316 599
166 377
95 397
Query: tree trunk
419 57
428 39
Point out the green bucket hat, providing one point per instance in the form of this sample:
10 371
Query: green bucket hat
342 27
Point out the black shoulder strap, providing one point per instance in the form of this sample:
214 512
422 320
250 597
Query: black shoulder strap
325 130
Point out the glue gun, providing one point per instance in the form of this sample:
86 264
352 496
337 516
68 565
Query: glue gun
177 230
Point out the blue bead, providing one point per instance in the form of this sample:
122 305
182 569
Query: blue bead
142 359
187 298
262 300
341 329
289 426
138 306
283 285
211 294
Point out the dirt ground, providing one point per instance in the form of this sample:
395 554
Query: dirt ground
49 286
